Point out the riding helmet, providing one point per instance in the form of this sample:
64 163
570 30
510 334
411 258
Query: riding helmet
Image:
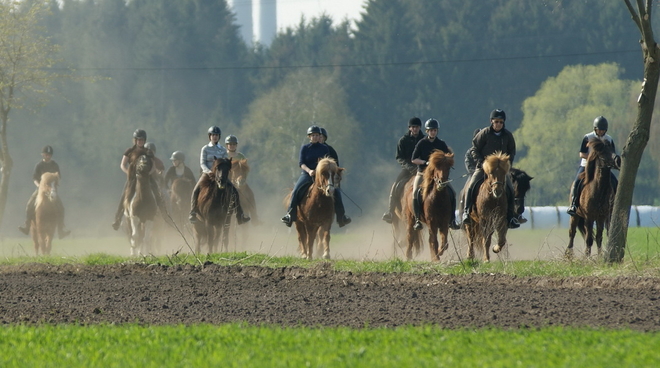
215 130
47 150
414 121
324 133
498 114
231 139
150 146
431 124
313 129
178 155
140 133
600 123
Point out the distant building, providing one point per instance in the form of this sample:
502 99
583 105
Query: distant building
257 20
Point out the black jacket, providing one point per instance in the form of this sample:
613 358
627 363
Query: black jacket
487 142
405 148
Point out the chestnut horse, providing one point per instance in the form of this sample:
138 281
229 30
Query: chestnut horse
436 206
180 193
217 201
489 210
316 209
238 176
140 206
48 213
596 198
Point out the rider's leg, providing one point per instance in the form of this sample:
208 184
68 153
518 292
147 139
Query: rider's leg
120 209
417 206
575 193
60 226
342 219
240 215
193 201
476 178
29 213
512 218
291 214
395 193
452 197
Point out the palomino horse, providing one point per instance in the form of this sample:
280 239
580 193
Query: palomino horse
180 193
217 201
140 206
316 209
489 210
48 213
436 206
596 198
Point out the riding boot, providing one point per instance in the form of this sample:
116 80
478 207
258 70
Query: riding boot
512 219
193 205
240 216
417 210
120 209
387 217
342 219
157 196
29 213
25 229
468 206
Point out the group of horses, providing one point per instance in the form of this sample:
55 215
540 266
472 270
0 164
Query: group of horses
217 204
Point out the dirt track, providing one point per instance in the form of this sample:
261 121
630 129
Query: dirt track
38 293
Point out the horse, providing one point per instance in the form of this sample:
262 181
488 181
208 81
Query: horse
521 185
316 209
489 210
596 197
436 206
216 203
180 193
140 206
238 176
48 213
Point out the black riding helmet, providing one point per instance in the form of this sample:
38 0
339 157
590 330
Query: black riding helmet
313 129
140 133
215 130
498 114
324 133
47 150
600 123
431 124
414 121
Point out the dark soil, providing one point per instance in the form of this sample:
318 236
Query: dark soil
38 293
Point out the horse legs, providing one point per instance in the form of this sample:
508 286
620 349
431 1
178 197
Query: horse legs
501 239
136 235
225 234
471 236
323 240
486 246
573 224
599 235
309 243
412 240
302 238
589 225
433 242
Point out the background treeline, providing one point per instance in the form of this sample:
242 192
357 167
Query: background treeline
176 67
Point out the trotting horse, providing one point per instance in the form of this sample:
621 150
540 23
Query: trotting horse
489 210
140 206
48 213
316 209
596 198
436 206
217 201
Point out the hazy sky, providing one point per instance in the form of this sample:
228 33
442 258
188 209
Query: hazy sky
290 11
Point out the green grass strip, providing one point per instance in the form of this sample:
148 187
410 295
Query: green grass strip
240 345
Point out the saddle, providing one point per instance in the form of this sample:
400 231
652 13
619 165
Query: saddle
302 193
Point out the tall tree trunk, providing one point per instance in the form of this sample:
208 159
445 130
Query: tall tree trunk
6 163
639 135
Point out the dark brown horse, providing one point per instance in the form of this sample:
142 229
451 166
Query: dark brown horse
316 209
521 185
180 192
489 210
436 206
48 213
140 206
217 201
596 198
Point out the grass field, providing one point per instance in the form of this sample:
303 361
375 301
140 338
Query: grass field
239 345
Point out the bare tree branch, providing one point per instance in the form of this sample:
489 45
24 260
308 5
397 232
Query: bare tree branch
633 14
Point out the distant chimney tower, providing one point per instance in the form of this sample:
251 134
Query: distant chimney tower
243 11
265 21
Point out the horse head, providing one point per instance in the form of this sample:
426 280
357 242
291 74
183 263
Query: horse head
327 176
600 158
239 172
521 186
220 171
496 168
48 185
437 173
143 166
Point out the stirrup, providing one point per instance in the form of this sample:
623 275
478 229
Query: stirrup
343 221
387 217
572 210
466 218
418 225
513 223
192 218
287 220
454 225
24 229
242 219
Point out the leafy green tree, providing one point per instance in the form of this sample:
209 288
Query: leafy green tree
558 116
26 57
275 127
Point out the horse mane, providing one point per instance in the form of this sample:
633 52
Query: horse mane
497 160
44 184
325 165
520 179
597 147
438 160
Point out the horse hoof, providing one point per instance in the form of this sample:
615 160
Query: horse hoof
497 249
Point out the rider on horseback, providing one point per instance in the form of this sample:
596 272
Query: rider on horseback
310 154
231 143
139 142
600 131
420 157
207 156
178 169
339 204
404 150
489 140
47 164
